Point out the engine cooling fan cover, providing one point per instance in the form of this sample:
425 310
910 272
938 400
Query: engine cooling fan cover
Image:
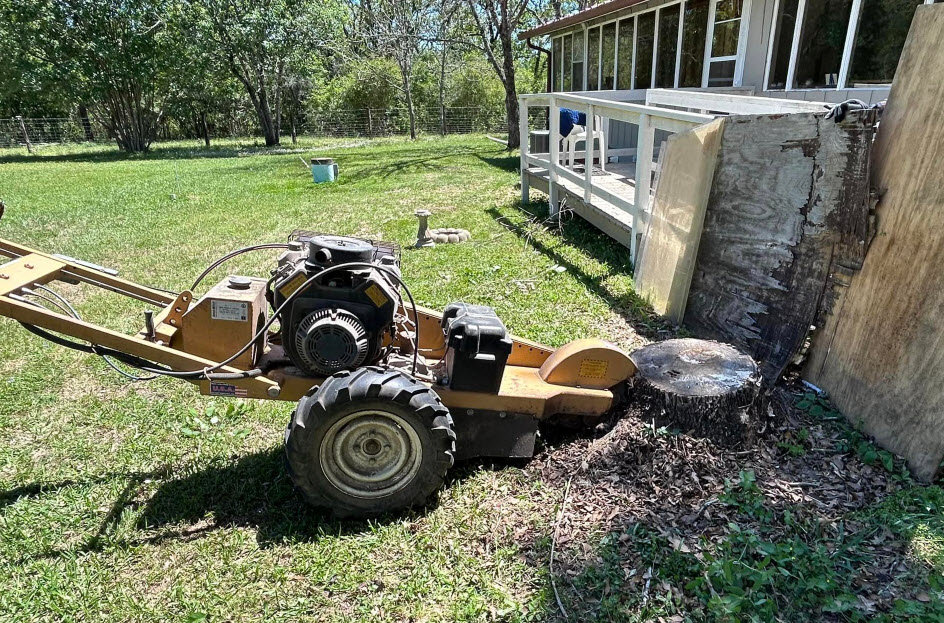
331 340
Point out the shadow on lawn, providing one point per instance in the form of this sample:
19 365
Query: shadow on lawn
580 234
505 163
407 158
158 153
256 491
253 491
410 160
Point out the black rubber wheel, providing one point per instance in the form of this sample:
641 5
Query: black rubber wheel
369 441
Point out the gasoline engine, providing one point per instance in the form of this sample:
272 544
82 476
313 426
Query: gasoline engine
339 321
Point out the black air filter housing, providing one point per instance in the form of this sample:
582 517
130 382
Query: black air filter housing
477 347
325 251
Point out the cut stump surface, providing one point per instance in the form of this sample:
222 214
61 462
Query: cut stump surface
707 388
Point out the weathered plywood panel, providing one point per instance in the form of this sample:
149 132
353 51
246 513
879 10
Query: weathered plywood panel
881 353
664 271
789 201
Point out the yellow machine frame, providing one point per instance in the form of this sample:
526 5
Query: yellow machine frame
577 379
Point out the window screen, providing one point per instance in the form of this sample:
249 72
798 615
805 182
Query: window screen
883 27
624 63
593 59
721 73
694 33
822 38
577 65
780 59
644 42
668 46
608 56
556 65
566 82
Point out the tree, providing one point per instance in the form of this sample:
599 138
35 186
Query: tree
261 42
496 22
109 53
447 10
398 29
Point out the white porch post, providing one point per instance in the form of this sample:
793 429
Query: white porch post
588 157
554 156
523 138
643 178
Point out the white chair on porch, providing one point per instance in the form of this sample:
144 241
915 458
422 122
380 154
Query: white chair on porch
579 133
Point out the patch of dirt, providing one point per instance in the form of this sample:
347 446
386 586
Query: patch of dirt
679 486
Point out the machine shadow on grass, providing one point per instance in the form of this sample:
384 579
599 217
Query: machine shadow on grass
255 491
580 234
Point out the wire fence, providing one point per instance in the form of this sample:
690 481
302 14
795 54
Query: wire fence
20 131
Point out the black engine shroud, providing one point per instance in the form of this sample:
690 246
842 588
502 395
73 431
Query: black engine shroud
338 322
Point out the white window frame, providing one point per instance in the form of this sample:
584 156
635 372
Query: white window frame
586 27
855 14
741 52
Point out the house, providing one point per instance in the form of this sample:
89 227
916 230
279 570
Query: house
648 68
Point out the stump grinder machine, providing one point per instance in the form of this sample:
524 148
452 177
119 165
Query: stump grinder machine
388 394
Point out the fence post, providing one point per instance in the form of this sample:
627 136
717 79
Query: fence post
525 148
29 146
370 124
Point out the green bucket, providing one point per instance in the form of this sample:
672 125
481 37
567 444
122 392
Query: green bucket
323 170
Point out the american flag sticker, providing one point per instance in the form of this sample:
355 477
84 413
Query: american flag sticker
224 389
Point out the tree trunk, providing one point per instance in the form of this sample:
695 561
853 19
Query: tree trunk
128 119
408 94
706 388
511 91
86 123
269 130
206 130
442 90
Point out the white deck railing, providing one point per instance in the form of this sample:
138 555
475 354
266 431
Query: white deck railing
730 103
648 119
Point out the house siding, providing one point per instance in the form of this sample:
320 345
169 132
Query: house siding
759 25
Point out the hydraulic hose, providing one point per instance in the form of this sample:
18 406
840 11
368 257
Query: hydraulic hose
232 254
208 373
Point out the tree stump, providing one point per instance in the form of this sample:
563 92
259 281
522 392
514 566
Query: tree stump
707 388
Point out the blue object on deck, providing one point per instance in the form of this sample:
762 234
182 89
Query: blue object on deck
323 170
569 118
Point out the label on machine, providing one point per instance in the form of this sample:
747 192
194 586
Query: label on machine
376 295
225 389
229 310
592 369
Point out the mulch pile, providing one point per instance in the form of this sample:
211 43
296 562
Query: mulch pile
676 484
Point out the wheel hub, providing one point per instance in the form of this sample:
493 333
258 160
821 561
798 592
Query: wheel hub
371 454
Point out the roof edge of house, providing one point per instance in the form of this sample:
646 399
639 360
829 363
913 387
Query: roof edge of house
576 18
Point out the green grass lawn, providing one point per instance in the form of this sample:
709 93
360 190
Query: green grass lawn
152 503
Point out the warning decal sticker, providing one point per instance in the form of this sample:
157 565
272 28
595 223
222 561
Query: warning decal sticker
293 284
592 369
376 295
229 310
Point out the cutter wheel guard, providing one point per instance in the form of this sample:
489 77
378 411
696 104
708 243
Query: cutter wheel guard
388 394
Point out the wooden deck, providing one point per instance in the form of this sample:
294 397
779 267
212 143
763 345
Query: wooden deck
617 180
